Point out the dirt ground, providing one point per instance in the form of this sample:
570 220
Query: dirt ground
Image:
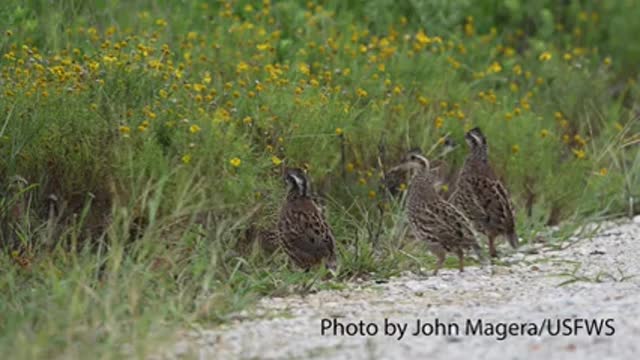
593 278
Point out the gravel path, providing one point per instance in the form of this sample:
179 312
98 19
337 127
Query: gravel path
606 268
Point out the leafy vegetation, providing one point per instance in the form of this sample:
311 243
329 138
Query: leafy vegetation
141 140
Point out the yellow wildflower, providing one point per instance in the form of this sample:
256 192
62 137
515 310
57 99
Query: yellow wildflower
194 129
509 51
558 115
422 38
235 162
579 140
109 59
339 131
242 67
350 167
304 68
361 92
515 148
276 160
469 28
186 158
579 153
495 67
545 56
603 172
199 87
517 69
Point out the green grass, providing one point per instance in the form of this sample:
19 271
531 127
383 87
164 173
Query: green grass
126 120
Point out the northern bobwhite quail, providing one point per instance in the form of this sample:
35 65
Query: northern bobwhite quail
395 177
481 196
267 238
304 232
434 220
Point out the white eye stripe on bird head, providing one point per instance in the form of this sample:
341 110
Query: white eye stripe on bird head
475 137
418 158
423 160
298 181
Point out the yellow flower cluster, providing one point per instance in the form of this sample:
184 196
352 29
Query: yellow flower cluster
233 84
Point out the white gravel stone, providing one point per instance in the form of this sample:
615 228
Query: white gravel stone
605 270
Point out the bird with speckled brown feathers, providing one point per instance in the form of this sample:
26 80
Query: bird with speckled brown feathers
304 232
432 219
481 196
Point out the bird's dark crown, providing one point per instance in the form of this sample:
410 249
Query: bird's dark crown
475 138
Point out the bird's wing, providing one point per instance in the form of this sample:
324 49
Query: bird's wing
308 232
493 198
466 199
443 223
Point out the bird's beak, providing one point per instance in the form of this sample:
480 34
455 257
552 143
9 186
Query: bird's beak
405 166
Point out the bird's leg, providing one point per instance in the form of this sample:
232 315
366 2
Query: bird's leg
441 256
492 246
461 257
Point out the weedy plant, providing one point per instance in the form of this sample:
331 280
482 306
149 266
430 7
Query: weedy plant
151 135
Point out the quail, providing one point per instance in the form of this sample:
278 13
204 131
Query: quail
304 232
434 220
267 238
481 196
395 178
